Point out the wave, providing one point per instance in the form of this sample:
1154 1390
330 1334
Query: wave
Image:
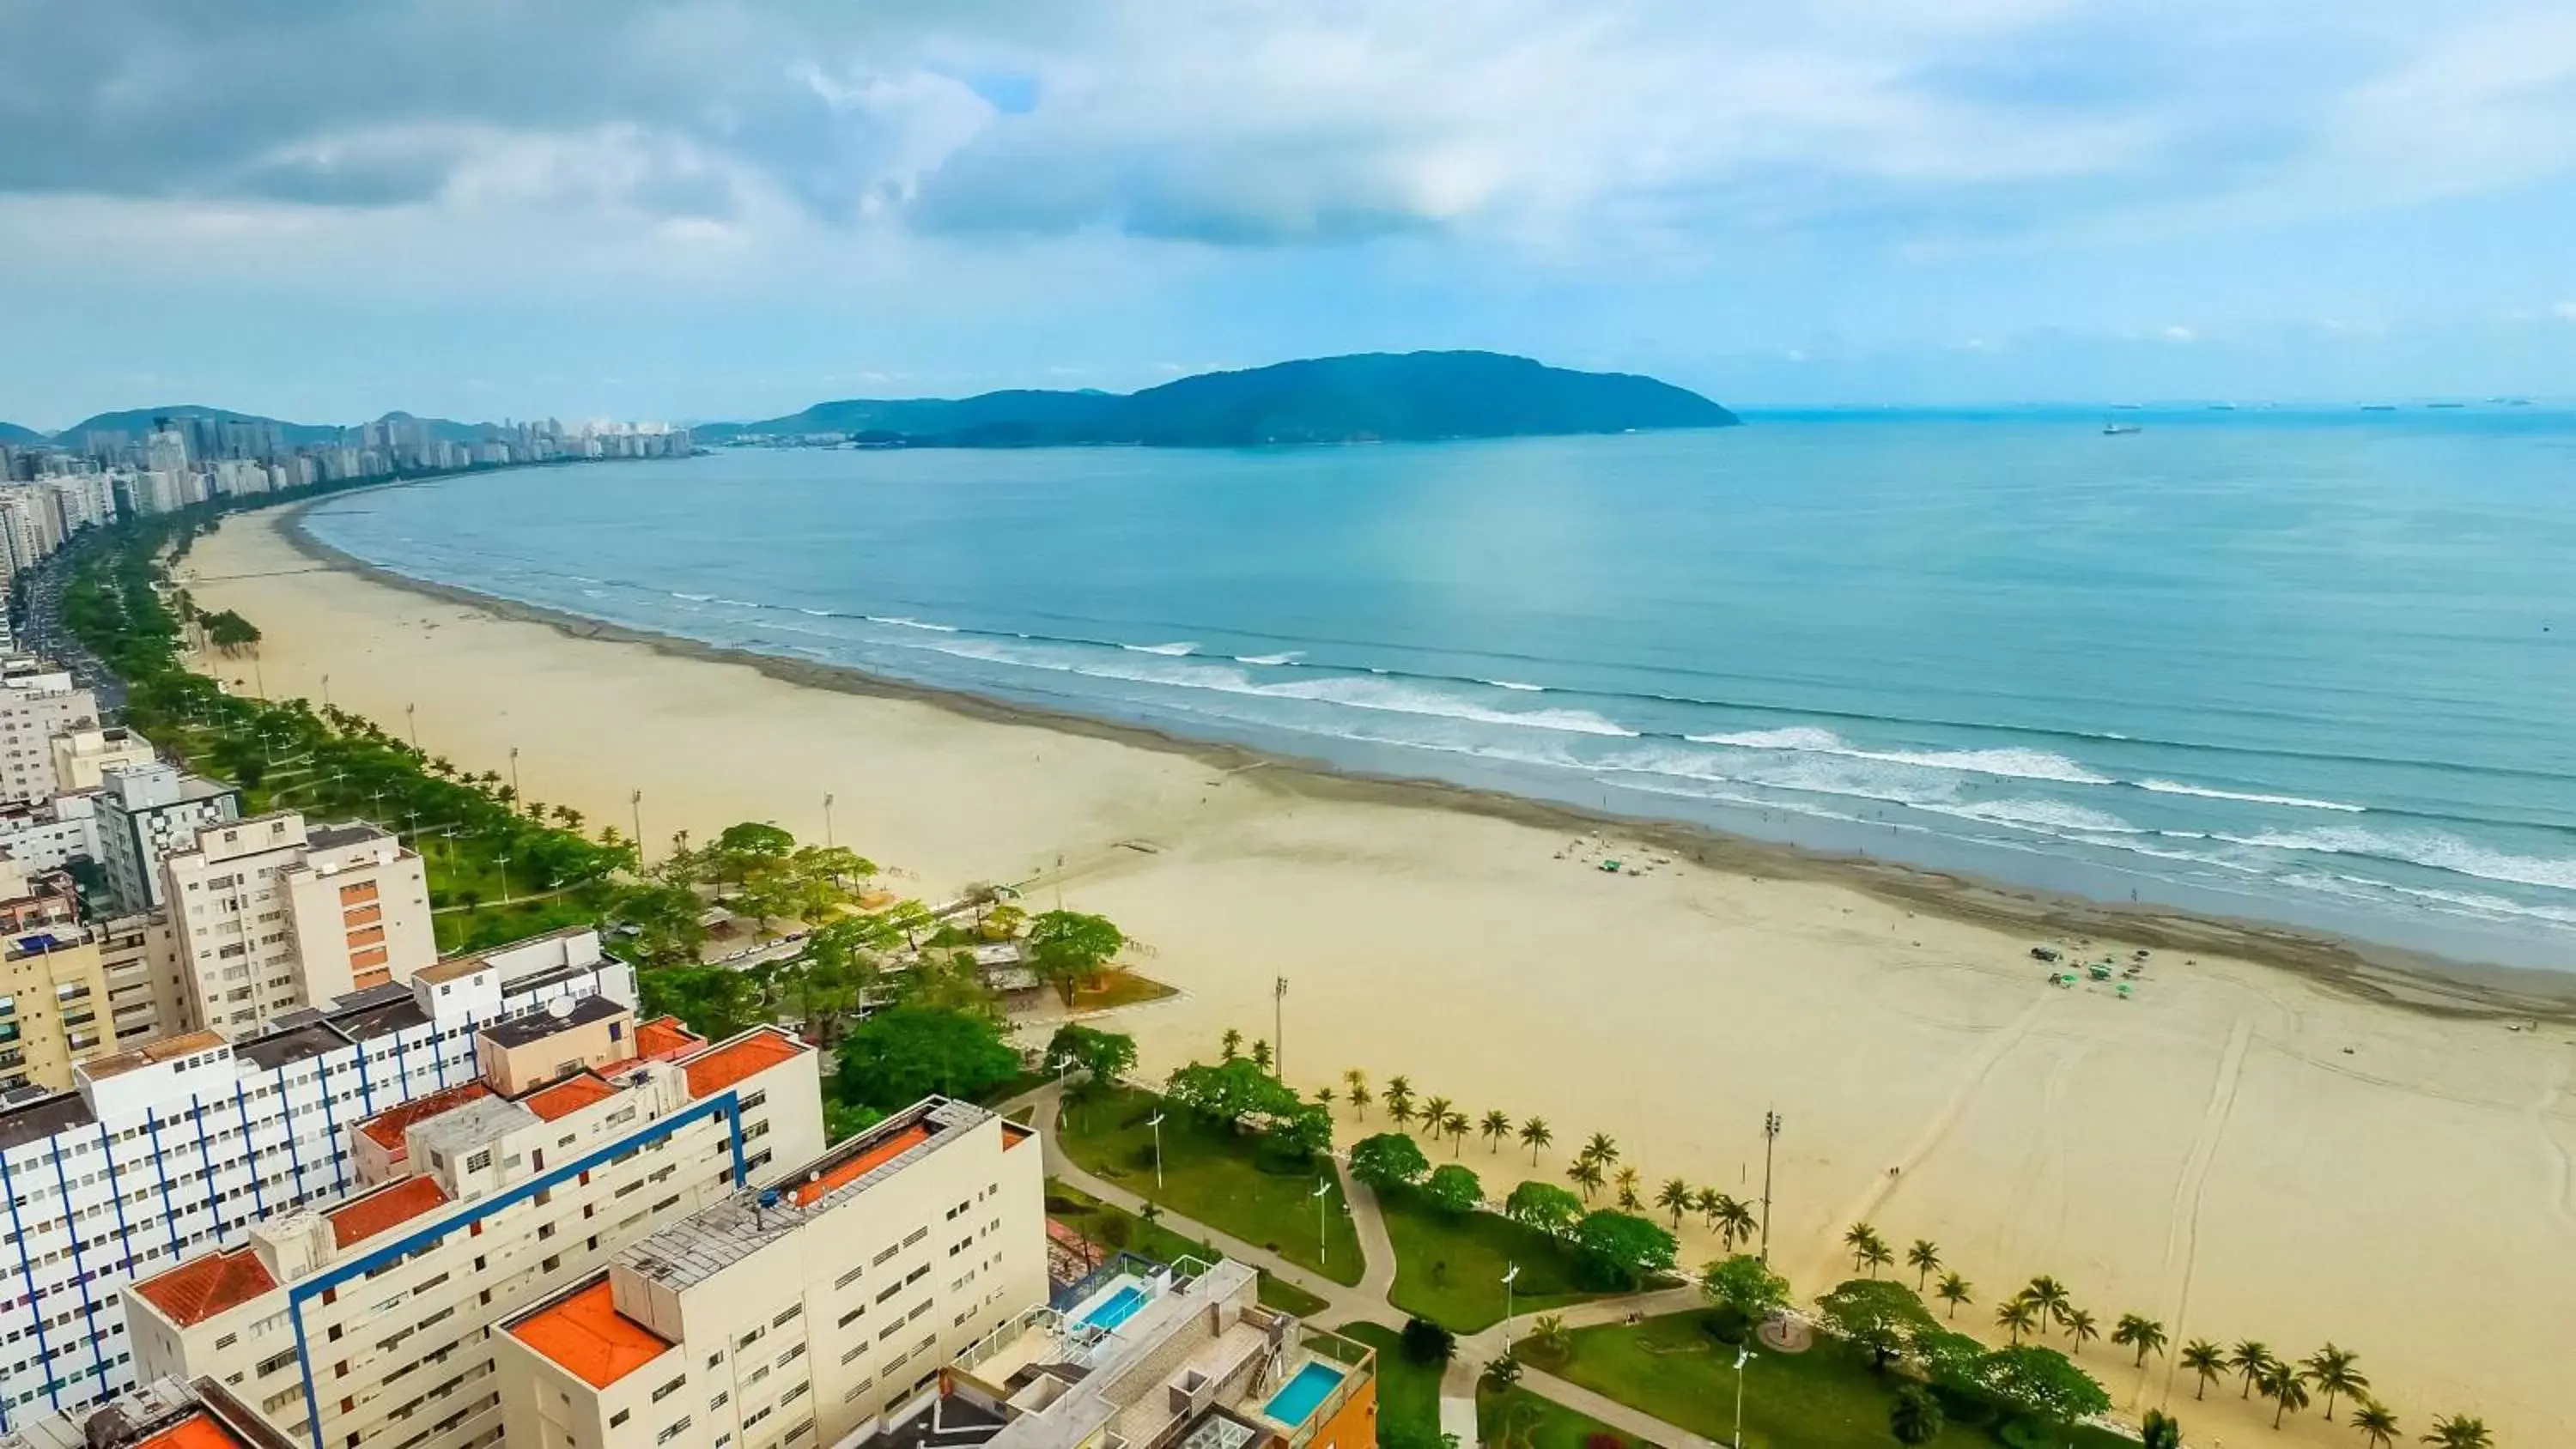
2051 817
2017 764
2176 787
1285 656
818 613
694 598
900 622
1172 650
1516 685
2429 850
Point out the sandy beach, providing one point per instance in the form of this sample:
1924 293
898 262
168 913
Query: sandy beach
2273 1139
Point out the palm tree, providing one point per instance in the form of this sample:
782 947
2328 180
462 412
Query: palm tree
1955 1291
2249 1358
2286 1385
1324 1098
1675 1197
2331 1370
1435 1115
2018 1317
1230 1045
1626 1180
1923 1258
2375 1423
1261 1055
1876 1254
1496 1126
1398 1098
1735 1221
1535 1135
1601 1148
1457 1126
1586 1174
2053 1300
2143 1334
1858 1238
2160 1431
1551 1334
1357 1081
1706 1202
2081 1328
2207 1360
2459 1431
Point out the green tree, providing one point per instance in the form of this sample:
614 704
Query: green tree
905 1053
1239 1094
1863 1243
2140 1333
1623 1247
2286 1385
2206 1360
2052 1298
2016 1317
2249 1358
1398 1098
2042 1383
1584 1173
1102 1056
1878 1315
1745 1284
1495 1127
1435 1115
1454 1189
2459 1431
1600 1148
1356 1081
1454 1125
1915 1417
1925 1259
1544 1206
1229 1045
1426 1342
2376 1425
1550 1336
2331 1370
713 1001
1734 1221
742 847
1503 1372
1535 1135
2080 1328
1389 1160
1955 1291
1675 1197
1261 1056
1067 949
2160 1431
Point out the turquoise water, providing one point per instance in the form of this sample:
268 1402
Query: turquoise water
1299 1397
2319 670
1117 1308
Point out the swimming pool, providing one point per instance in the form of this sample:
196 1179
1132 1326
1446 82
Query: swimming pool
1118 1308
1298 1399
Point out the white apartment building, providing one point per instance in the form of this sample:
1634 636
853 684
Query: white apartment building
47 834
789 1317
83 756
163 1415
37 702
162 1152
272 914
147 813
368 1322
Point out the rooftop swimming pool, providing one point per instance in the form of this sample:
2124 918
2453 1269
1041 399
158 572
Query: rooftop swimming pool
1117 1308
1298 1398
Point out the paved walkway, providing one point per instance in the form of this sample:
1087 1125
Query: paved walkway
1368 1300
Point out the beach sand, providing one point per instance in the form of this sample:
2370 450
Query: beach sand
2249 1148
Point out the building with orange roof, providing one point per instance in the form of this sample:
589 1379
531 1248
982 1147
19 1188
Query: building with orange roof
171 1149
162 1415
796 1315
367 1322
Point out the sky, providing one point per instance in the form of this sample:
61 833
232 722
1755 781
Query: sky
700 209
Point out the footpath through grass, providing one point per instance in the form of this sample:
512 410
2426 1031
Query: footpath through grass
1212 1173
1825 1398
1450 1266
1408 1403
1112 1229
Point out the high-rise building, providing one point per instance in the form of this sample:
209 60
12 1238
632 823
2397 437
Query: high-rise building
145 814
368 1322
37 702
786 1318
49 834
81 757
163 1415
272 914
162 1151
53 986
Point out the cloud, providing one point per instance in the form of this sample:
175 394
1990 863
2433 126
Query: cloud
2564 311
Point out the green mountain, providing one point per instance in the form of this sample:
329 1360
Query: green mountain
1376 396
135 422
11 433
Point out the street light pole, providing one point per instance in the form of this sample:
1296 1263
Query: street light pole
514 771
1511 1271
1156 1122
827 821
1322 1190
326 691
1743 1356
635 802
1279 1028
1770 1134
411 722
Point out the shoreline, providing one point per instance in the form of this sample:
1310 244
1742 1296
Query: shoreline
2366 971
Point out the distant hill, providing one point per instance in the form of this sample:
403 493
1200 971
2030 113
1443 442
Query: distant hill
12 433
1369 396
135 422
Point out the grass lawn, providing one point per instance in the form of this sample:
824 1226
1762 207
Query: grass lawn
1093 1218
1825 1398
1449 1267
1407 1392
1519 1419
1211 1173
1119 987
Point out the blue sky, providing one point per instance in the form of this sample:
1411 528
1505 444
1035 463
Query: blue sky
692 208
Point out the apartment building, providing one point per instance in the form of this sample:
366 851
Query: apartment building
53 989
49 834
162 1151
272 915
162 1415
37 702
786 1318
81 757
1151 1356
144 815
368 1322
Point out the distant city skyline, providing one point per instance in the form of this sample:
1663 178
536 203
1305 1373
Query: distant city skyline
694 211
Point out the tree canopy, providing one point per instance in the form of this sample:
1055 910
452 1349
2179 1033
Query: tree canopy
1878 1314
1745 1284
2041 1382
1453 1188
1104 1055
1066 949
905 1053
1628 1246
1389 1160
1543 1205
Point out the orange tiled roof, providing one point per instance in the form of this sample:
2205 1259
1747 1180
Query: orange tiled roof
713 1070
584 1334
1013 1134
203 1287
852 1169
385 1208
197 1431
387 1127
567 1096
664 1037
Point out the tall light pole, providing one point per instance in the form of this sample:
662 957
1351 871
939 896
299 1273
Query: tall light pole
503 862
1770 1134
1743 1356
411 722
1279 1028
1323 1189
1511 1272
514 772
326 691
1156 1122
635 802
827 820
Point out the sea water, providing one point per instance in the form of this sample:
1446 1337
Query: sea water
2318 669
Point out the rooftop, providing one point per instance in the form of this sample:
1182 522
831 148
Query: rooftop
568 1096
203 1287
664 1037
469 1125
824 1182
755 1051
168 1048
583 1333
390 1206
41 1115
377 1011
386 1128
347 832
286 1047
555 1016
196 1431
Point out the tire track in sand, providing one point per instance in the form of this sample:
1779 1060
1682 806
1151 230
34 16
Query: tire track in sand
2563 1200
2182 1233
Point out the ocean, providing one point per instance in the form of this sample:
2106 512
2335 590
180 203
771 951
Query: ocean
2313 669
